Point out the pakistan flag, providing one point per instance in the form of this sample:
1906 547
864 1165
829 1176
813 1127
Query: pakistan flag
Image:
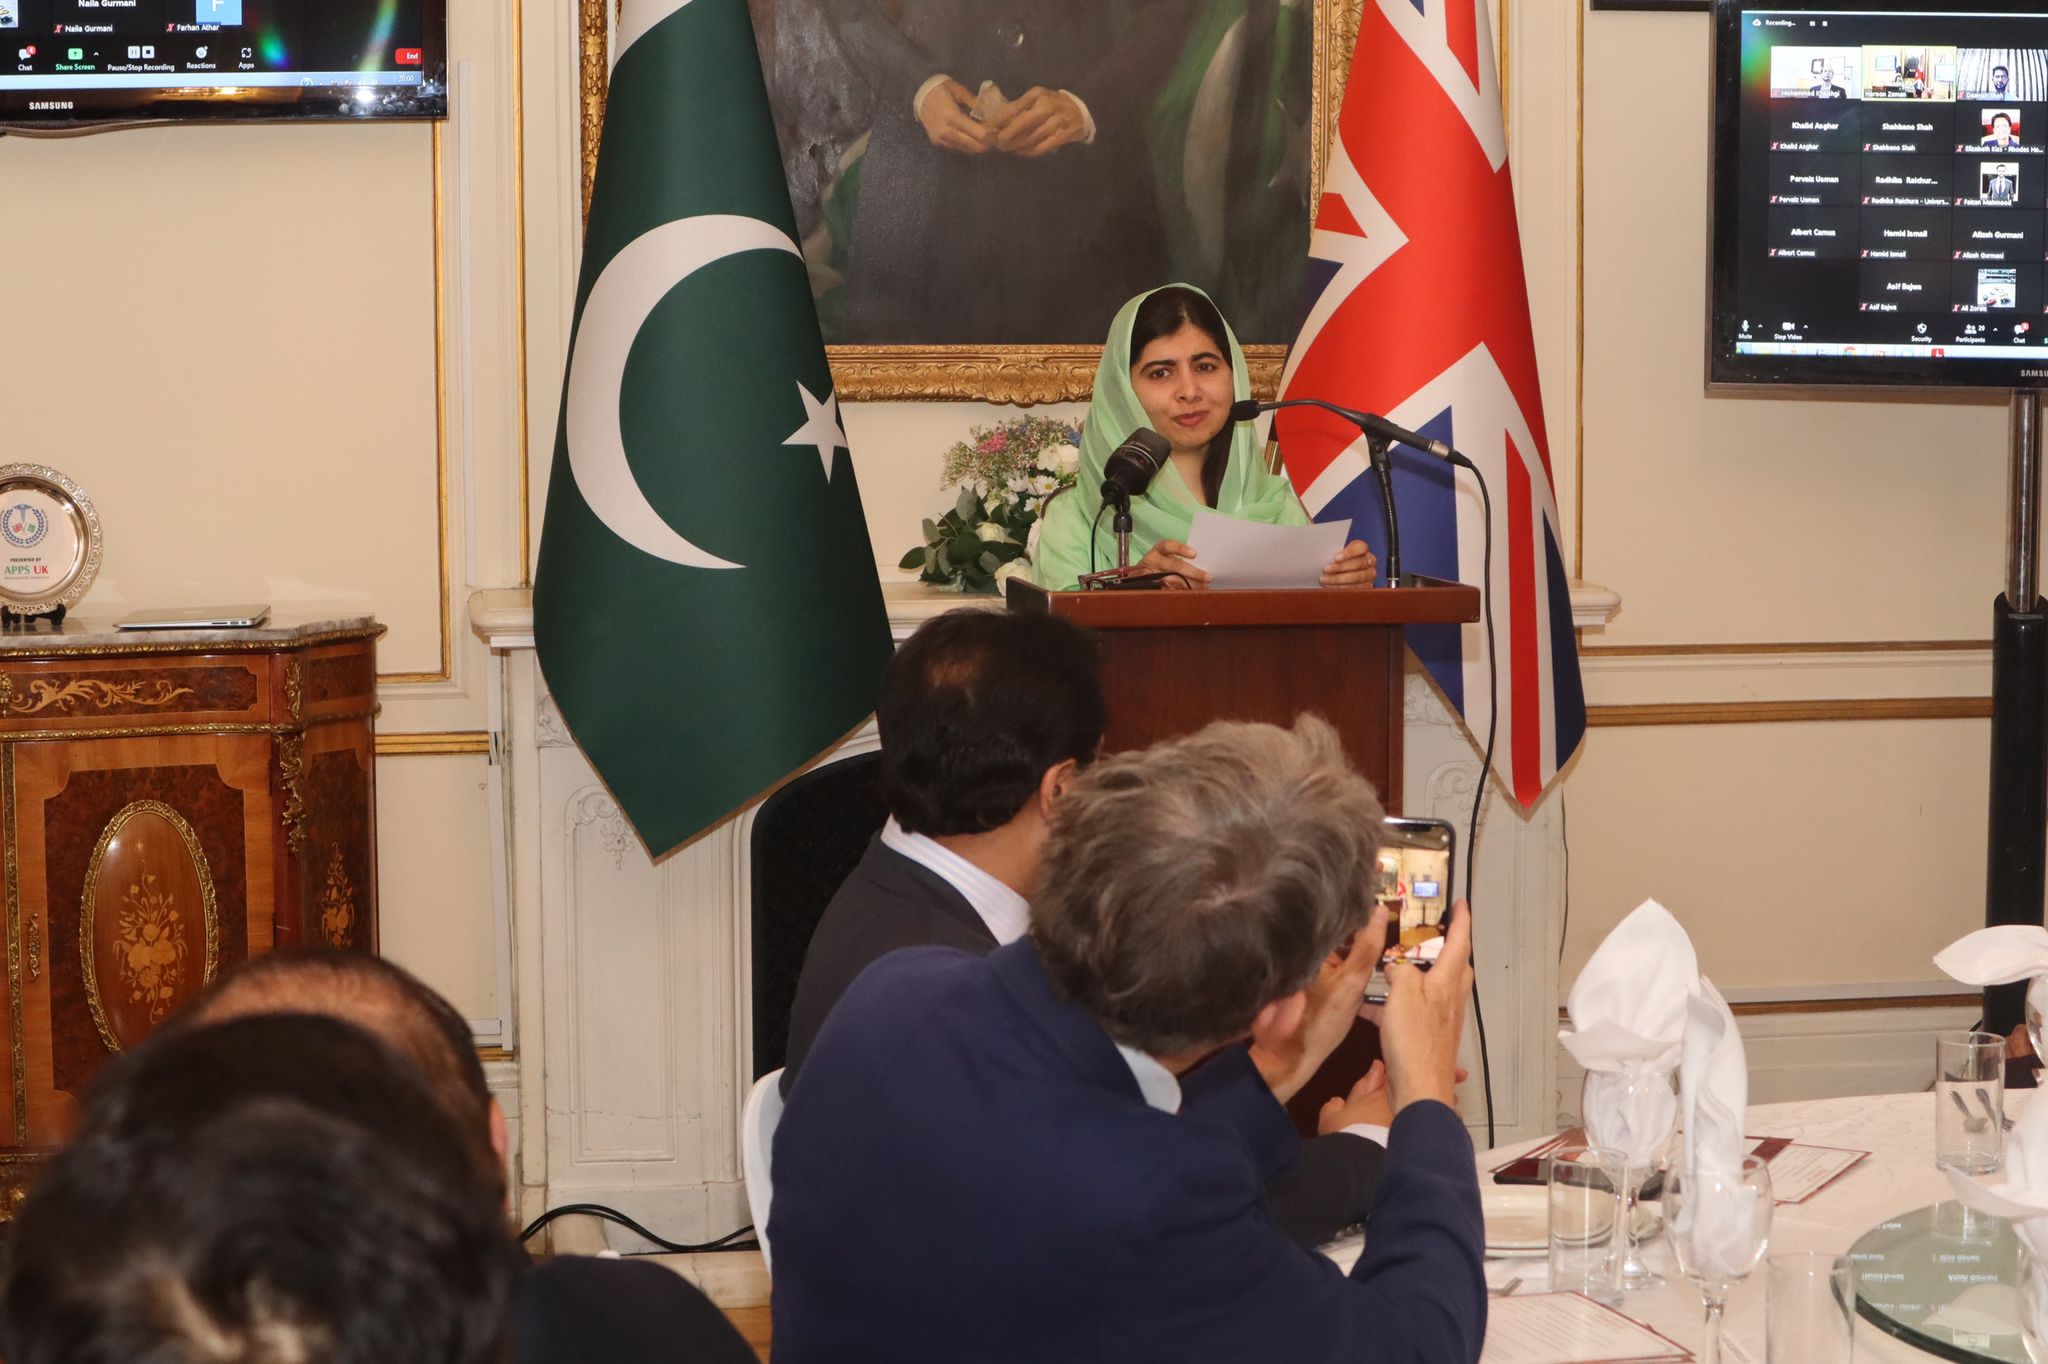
706 604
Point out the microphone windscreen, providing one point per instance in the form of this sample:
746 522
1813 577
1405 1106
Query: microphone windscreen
1247 410
1130 466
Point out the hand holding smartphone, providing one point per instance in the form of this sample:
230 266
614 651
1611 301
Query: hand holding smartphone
1414 883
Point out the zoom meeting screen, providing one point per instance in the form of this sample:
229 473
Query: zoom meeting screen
80 61
1881 194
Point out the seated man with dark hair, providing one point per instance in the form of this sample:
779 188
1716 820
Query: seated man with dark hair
568 1306
273 1189
986 717
988 1158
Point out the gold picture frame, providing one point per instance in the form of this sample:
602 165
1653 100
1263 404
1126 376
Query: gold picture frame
1001 374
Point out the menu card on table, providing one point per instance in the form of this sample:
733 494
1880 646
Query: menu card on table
1569 1328
1798 1171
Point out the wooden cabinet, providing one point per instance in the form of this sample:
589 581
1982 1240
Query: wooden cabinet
168 806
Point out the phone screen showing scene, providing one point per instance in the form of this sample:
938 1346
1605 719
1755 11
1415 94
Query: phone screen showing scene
1415 886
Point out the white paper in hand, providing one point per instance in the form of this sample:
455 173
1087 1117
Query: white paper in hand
1238 553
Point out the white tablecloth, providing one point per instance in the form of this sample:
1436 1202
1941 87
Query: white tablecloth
1898 1131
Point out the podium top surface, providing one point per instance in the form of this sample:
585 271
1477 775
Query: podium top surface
1434 603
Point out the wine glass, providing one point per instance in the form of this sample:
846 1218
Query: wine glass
1720 1225
1633 1110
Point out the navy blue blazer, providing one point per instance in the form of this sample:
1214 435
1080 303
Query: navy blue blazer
967 1171
890 902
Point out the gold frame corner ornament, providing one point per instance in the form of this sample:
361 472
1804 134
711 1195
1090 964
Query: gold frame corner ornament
209 906
1020 375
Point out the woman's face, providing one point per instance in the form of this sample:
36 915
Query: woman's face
1183 381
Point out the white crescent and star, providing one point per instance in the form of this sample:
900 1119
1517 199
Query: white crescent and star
636 18
632 284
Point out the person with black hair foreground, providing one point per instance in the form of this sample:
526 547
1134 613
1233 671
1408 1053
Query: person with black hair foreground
986 718
271 1189
989 1157
566 1307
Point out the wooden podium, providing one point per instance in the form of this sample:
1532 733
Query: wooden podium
1174 661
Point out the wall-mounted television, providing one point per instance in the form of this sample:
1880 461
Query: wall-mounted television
1880 193
77 64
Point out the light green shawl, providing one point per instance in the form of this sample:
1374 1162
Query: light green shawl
1166 509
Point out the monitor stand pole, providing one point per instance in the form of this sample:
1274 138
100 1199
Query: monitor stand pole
2019 713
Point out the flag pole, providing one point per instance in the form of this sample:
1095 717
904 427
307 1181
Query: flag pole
2013 879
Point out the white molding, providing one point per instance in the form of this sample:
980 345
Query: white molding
502 617
1850 990
1808 1055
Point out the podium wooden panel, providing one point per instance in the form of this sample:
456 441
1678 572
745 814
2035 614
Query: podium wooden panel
1174 661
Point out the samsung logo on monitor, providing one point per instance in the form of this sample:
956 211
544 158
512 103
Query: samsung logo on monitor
51 104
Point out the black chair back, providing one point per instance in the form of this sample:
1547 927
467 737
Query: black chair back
806 840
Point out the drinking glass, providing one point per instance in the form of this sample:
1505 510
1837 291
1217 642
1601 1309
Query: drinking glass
1720 1224
1969 1101
1585 1184
1634 1111
1809 1308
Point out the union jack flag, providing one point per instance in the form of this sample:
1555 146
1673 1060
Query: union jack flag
1417 309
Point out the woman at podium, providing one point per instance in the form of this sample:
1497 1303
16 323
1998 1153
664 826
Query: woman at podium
1171 363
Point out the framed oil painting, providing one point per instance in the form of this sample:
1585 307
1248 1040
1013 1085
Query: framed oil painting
979 183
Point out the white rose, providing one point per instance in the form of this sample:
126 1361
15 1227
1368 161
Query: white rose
1066 459
1016 568
989 530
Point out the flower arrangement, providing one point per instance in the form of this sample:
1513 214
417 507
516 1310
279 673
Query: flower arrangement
1005 475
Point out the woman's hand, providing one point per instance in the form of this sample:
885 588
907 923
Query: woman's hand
1171 556
1354 566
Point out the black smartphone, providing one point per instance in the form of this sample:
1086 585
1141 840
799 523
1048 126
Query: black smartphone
1414 883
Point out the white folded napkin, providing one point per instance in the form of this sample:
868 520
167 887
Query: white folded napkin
1627 1013
2023 1198
1997 956
1713 1096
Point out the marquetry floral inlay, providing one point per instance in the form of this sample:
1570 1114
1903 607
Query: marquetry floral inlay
152 949
45 694
337 902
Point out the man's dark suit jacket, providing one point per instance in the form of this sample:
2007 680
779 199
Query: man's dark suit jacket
890 902
577 1308
968 1171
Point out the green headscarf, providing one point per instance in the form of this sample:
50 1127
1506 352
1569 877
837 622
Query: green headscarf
1167 508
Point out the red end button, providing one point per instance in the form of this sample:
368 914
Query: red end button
409 56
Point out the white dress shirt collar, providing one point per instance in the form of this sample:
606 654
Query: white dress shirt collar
1160 1086
1006 913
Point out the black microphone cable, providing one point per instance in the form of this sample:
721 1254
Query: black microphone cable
1479 791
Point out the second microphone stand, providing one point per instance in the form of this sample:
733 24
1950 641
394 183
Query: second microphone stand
1382 468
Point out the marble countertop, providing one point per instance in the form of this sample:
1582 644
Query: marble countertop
96 633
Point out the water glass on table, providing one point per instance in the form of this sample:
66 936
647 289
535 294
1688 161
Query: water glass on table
1719 1224
1969 1101
1586 1210
1809 1308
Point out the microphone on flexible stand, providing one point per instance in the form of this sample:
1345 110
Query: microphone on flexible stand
1127 472
1379 434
